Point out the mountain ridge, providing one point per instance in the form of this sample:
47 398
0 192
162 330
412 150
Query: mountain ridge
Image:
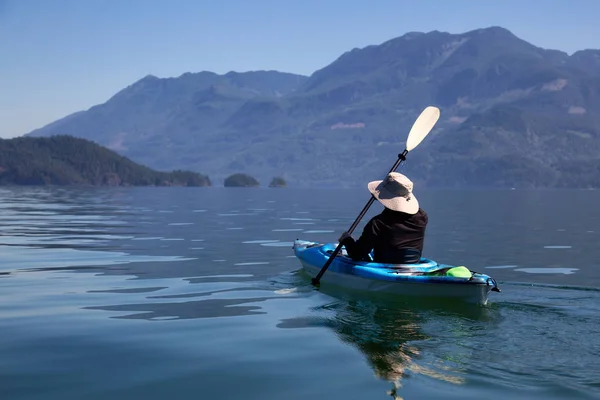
499 96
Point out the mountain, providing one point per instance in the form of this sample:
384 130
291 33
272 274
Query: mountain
512 114
151 116
65 160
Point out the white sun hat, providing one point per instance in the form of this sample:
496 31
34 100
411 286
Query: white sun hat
395 193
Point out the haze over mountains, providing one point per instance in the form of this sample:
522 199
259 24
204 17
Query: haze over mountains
512 115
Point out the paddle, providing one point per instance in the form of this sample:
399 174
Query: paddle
421 128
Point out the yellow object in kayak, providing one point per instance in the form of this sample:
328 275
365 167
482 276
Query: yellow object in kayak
459 272
455 272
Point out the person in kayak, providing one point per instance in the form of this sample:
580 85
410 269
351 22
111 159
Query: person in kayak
396 235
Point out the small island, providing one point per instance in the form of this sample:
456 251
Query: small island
65 160
241 180
278 182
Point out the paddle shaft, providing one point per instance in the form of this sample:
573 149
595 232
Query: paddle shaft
317 279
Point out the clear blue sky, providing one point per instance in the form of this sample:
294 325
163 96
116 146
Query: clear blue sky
62 56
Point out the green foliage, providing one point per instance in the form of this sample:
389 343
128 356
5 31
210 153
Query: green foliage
241 180
65 160
278 182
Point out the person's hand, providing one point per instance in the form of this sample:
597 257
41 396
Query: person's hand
344 236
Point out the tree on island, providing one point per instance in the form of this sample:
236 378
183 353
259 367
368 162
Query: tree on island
66 160
241 180
278 182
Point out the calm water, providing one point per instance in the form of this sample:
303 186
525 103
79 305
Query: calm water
157 293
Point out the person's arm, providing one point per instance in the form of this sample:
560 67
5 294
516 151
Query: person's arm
359 250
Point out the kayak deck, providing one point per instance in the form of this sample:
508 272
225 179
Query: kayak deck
423 279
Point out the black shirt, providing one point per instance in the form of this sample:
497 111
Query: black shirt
389 234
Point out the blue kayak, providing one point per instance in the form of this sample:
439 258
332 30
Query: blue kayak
424 279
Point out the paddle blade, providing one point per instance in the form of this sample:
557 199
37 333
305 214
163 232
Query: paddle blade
422 126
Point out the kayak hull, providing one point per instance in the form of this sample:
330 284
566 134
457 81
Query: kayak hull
412 280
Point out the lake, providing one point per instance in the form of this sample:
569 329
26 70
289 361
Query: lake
180 293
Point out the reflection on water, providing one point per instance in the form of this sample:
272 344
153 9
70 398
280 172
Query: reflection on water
173 292
184 310
391 336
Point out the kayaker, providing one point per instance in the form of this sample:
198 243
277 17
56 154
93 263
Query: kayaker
396 235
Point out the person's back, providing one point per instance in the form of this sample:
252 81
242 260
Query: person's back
397 234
